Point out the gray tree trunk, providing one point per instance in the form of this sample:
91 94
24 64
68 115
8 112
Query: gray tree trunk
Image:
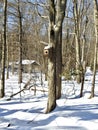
2 87
20 43
51 104
57 13
77 39
83 60
7 74
59 66
60 13
96 44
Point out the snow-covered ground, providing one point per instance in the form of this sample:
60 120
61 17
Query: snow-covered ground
26 111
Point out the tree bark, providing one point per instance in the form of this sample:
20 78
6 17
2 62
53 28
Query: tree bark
7 73
2 87
20 43
83 60
59 66
56 15
77 38
51 104
96 44
60 13
82 78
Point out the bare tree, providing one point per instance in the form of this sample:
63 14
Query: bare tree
56 16
83 59
96 44
2 87
20 42
7 60
77 39
59 53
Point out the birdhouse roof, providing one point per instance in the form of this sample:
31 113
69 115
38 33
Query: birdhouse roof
47 47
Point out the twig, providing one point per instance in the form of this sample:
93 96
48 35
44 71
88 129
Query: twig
42 90
25 86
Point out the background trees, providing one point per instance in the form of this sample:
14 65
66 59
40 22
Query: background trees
71 38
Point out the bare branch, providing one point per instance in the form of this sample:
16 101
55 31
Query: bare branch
45 43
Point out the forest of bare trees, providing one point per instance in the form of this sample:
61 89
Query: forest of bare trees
67 30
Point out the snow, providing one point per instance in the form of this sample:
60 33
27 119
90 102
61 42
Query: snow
27 62
47 47
26 111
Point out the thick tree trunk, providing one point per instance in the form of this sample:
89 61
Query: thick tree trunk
51 82
57 13
2 87
51 75
60 13
51 104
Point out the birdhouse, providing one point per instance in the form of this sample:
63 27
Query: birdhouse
46 50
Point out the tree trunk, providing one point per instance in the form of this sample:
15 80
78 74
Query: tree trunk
82 78
51 104
83 67
51 81
57 13
7 73
2 87
96 44
1 40
45 66
78 60
13 60
60 13
20 43
77 38
59 66
83 60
